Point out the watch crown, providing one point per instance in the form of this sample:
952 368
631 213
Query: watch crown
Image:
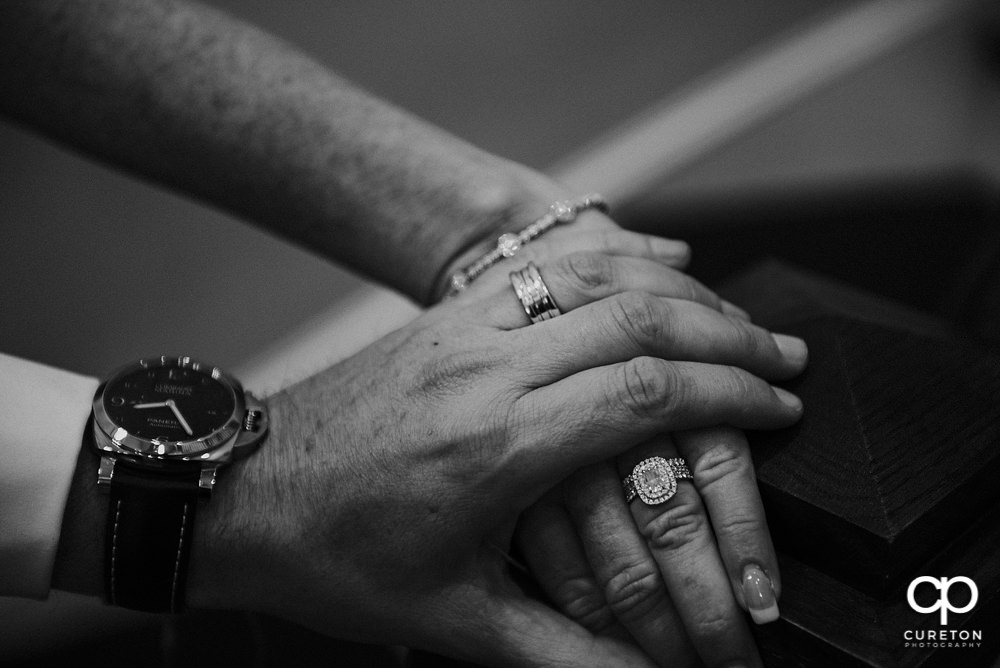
251 422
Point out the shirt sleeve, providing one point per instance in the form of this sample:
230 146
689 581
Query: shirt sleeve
43 412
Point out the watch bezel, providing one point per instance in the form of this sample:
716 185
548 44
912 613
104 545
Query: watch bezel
112 438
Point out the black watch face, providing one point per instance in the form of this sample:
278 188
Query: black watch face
169 402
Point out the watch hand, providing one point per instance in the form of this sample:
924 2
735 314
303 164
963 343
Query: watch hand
180 418
156 404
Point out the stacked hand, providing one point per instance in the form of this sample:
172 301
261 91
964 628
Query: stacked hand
674 577
395 481
386 503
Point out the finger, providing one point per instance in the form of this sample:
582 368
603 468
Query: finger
632 324
581 278
551 547
598 413
517 631
610 240
719 458
621 561
680 539
669 252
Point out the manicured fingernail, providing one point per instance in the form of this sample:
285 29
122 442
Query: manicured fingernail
735 311
787 398
792 348
759 595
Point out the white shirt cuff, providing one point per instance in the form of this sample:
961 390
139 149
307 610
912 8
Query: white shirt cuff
43 412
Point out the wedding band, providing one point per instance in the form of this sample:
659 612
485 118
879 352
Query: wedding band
654 480
507 245
533 293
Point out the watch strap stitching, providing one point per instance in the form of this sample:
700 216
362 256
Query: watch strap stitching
177 559
145 511
112 588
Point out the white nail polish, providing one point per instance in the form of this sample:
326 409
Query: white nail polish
759 595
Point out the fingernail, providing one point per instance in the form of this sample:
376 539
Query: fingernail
759 595
677 252
792 347
735 311
787 398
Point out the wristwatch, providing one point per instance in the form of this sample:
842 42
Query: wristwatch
163 427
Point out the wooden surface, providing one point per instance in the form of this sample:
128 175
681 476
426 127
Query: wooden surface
889 476
899 437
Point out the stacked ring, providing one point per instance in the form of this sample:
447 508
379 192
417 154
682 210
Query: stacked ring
654 480
533 293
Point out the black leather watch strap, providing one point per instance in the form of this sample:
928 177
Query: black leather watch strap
148 536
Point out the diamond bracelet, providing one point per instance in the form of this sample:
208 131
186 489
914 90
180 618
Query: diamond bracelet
509 243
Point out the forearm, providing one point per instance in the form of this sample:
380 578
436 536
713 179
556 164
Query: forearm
197 100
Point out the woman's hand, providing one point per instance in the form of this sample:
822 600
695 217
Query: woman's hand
674 577
383 505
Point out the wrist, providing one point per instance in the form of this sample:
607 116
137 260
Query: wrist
527 197
506 245
232 562
521 199
162 432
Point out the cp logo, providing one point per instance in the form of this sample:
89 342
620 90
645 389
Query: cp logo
943 603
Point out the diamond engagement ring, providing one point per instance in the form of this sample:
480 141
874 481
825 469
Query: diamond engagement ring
534 294
654 480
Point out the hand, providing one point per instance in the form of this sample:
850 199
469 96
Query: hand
672 577
383 505
669 576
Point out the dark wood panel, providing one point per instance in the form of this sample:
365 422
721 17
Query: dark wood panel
889 476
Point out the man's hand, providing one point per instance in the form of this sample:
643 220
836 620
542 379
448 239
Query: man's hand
383 506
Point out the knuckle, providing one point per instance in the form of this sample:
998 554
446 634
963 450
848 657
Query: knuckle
590 271
748 337
582 600
649 385
721 463
690 289
712 624
683 524
749 394
705 295
741 384
640 316
634 591
738 389
740 525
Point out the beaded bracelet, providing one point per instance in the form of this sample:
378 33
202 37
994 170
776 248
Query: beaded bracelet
509 243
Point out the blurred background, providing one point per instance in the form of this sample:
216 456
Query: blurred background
732 102
858 127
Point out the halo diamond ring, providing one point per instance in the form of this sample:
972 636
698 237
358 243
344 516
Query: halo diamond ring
654 480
